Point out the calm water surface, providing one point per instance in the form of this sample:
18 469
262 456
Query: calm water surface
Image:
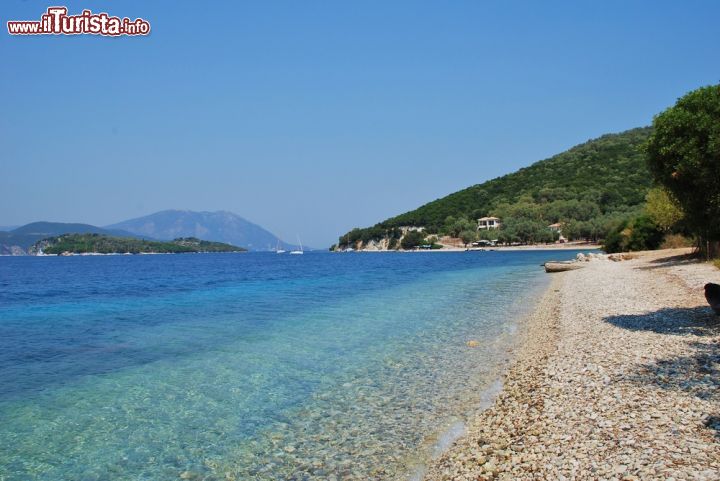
250 366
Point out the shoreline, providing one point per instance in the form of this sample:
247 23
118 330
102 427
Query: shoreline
529 326
605 383
533 247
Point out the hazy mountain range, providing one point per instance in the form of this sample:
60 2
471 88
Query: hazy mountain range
165 225
220 226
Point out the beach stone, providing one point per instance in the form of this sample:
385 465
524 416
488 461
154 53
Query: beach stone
472 343
489 467
619 386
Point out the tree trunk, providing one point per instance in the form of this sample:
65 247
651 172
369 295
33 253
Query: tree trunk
708 249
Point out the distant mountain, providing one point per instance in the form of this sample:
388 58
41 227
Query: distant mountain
218 226
18 241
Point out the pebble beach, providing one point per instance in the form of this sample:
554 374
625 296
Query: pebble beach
616 379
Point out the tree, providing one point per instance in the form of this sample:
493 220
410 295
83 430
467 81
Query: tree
662 209
645 235
615 240
454 226
573 209
449 222
412 239
525 231
487 234
638 234
683 154
525 207
468 236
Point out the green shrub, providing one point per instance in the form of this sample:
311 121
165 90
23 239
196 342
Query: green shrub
614 241
645 235
468 236
638 234
412 239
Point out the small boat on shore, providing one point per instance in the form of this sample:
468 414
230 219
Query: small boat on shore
562 266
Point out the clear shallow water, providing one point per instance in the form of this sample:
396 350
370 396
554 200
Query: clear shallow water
250 366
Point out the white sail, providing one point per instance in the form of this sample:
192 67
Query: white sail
298 252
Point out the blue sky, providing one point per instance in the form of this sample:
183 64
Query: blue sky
311 118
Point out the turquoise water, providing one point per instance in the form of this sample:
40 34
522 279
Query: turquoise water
250 366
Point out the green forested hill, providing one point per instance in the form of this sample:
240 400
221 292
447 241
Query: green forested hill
26 235
103 244
590 183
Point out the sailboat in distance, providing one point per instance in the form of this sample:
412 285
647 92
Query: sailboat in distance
278 250
298 252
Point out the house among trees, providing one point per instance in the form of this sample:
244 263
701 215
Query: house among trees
487 223
557 227
411 228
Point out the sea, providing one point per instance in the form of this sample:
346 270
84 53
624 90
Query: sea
252 366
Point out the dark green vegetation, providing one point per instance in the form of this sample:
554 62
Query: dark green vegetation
591 188
412 239
637 234
684 157
25 236
102 244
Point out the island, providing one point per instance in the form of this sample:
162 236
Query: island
68 244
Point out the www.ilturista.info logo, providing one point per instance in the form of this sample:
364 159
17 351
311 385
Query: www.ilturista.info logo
57 22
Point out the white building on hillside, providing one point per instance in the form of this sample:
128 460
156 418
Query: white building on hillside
486 223
557 227
411 228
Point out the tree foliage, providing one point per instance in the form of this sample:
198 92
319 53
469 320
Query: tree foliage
103 244
454 227
638 234
524 230
412 239
468 236
683 154
662 209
